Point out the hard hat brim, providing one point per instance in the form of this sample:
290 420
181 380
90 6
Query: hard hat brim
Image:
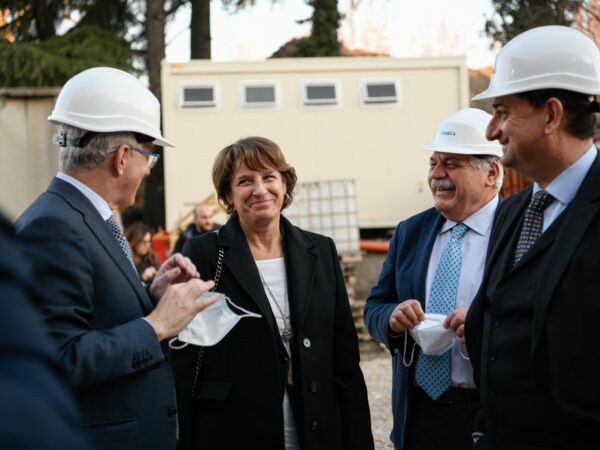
590 88
491 150
159 139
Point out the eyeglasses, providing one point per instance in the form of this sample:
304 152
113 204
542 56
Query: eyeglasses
152 157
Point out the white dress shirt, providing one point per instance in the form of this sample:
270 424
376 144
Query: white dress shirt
272 272
98 202
564 187
474 246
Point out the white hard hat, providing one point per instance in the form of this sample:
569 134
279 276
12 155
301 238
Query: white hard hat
106 100
547 57
463 132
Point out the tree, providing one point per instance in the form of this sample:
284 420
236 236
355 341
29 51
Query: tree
154 191
200 38
513 17
53 61
200 35
323 39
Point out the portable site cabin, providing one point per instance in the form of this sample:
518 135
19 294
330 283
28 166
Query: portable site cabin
347 118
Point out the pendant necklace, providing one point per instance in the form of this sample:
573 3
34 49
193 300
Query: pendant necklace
286 334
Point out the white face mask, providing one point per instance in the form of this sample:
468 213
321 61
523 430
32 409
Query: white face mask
431 335
212 324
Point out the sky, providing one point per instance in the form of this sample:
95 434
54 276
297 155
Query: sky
402 28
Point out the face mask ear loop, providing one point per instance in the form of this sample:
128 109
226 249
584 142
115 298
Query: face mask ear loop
412 353
247 313
460 346
177 347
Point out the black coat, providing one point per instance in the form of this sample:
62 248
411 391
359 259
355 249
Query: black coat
532 332
239 390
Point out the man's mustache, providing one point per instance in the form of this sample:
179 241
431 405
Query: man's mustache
441 183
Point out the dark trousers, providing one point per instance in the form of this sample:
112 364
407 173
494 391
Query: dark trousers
442 424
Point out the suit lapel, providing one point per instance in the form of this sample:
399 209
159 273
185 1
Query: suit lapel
504 242
238 259
101 232
578 216
430 228
301 262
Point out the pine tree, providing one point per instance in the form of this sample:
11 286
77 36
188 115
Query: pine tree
513 17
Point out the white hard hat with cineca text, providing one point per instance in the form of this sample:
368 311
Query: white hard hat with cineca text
463 132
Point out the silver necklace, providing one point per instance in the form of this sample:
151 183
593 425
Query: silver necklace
286 334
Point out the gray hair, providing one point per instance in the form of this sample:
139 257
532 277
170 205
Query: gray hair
85 158
485 163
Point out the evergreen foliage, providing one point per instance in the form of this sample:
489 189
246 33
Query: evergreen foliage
53 61
323 40
513 17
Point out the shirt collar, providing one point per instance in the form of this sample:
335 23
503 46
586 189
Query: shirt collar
98 202
480 221
565 186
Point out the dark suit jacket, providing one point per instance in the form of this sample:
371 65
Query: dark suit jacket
239 391
93 304
402 277
532 331
37 409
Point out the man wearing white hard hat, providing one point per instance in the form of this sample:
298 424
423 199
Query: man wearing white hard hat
431 273
109 328
532 331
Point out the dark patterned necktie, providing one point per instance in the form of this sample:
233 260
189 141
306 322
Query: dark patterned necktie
533 223
118 234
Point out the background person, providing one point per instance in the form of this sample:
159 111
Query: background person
435 264
532 331
108 328
290 379
203 222
139 237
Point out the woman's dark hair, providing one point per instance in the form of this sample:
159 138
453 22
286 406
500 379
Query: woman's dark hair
135 234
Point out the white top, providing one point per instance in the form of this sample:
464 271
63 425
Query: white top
474 246
273 273
98 202
564 187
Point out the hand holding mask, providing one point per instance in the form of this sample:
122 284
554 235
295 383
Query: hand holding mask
211 325
431 336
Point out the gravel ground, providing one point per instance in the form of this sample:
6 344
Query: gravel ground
377 369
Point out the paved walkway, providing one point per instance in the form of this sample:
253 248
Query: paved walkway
377 369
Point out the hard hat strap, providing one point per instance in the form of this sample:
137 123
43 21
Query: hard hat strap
62 140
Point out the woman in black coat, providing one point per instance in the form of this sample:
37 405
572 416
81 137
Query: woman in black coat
290 379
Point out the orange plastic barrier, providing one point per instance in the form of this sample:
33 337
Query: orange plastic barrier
375 246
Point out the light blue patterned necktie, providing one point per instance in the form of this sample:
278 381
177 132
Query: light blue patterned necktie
118 234
433 372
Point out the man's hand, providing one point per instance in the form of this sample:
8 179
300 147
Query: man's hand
148 273
406 315
176 269
456 321
178 306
